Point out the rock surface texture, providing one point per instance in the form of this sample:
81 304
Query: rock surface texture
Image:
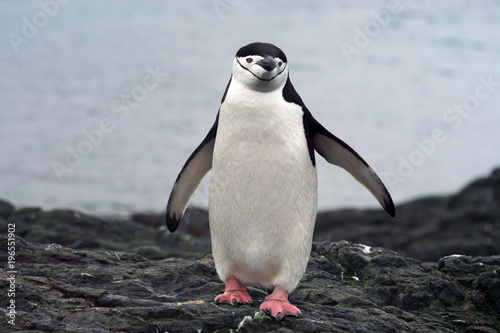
347 288
78 273
429 228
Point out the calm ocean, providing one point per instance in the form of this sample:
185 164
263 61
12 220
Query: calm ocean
101 103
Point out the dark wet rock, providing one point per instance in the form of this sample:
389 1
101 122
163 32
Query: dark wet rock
79 273
427 229
6 209
477 273
81 231
347 288
194 222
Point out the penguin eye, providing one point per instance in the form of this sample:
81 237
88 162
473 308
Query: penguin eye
249 60
279 64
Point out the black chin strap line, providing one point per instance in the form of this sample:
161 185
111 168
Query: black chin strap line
259 77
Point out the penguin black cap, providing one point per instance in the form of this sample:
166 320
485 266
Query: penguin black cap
261 49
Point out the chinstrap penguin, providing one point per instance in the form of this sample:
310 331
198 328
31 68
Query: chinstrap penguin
263 188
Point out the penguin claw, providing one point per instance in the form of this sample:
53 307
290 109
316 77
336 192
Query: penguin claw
234 298
277 306
235 294
279 310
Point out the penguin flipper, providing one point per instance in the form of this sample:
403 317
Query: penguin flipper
188 180
337 152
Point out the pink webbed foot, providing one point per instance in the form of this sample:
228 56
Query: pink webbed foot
276 305
235 294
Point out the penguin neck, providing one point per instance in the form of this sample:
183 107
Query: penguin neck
240 94
257 111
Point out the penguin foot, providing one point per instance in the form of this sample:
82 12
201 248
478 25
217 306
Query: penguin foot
276 305
235 294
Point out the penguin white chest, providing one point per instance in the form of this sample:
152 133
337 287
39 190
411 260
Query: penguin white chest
263 191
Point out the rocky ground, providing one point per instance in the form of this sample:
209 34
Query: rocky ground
78 273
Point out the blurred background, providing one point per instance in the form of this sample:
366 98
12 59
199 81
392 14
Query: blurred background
101 103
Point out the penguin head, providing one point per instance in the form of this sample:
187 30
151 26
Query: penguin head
261 67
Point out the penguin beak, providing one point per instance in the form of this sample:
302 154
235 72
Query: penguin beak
268 64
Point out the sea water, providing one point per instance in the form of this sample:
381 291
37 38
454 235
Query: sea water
101 103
